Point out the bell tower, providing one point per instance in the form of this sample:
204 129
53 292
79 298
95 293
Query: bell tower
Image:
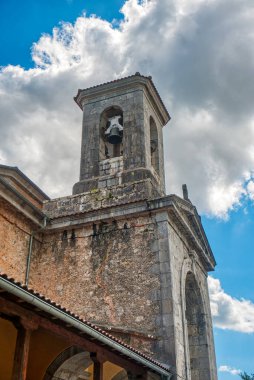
122 135
122 254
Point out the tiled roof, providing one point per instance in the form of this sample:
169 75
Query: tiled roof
50 302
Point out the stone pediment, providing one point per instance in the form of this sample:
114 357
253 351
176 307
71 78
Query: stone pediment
21 183
19 191
188 220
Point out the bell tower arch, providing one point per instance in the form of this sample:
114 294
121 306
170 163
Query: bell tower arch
111 133
122 135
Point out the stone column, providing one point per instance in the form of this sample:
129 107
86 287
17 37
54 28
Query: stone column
165 347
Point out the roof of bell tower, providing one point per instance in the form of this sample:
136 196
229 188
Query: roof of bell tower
136 79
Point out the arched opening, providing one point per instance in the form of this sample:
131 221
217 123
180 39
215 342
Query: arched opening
154 145
71 364
199 365
76 364
111 133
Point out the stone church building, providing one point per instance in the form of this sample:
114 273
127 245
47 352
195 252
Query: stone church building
109 283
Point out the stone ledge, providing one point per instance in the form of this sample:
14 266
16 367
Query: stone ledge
125 178
100 198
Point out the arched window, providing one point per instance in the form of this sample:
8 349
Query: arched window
111 133
197 332
154 145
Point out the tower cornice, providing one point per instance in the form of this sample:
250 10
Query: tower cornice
87 95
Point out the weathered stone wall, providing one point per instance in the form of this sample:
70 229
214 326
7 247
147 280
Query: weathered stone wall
150 112
127 275
15 231
175 261
178 253
105 273
99 199
184 261
111 166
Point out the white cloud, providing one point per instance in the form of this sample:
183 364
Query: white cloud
200 55
230 313
223 198
226 368
250 189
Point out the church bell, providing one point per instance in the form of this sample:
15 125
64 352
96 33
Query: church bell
115 136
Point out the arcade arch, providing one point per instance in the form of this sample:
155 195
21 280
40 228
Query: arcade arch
199 366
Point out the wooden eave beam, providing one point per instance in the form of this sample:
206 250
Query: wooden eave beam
10 308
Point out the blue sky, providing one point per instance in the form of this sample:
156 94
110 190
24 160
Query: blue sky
29 19
232 242
199 54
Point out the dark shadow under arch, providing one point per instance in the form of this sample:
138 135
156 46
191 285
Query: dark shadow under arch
154 145
108 150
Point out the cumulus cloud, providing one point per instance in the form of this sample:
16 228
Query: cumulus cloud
230 313
232 371
200 55
250 189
